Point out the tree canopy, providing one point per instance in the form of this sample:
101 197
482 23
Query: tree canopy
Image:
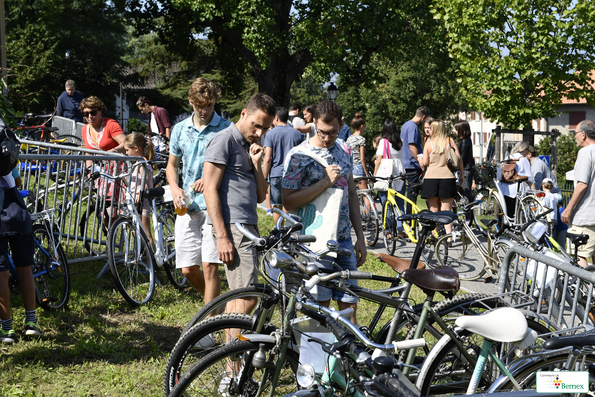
280 41
518 59
49 42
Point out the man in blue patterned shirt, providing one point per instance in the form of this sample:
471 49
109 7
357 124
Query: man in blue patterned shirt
189 139
304 179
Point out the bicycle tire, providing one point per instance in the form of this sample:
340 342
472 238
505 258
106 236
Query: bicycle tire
134 275
217 305
525 374
369 218
448 364
389 228
204 377
529 209
461 254
187 352
52 288
489 208
174 275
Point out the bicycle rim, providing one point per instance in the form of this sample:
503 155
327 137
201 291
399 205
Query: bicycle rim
459 253
369 219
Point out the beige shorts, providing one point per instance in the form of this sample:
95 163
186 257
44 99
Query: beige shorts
244 270
587 250
190 239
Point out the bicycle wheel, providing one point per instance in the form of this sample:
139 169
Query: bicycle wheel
202 339
529 209
526 374
369 218
217 305
51 275
460 253
390 228
216 374
489 208
70 139
131 261
448 372
174 275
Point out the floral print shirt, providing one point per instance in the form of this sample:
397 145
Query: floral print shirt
301 171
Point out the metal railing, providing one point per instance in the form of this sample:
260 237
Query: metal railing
563 293
58 176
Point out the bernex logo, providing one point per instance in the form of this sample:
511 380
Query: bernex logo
562 381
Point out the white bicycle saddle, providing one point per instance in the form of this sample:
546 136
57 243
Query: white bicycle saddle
506 324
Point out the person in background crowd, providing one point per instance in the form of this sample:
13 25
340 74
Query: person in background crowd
427 130
550 200
358 148
345 131
560 228
308 130
101 132
294 120
465 146
188 144
277 144
304 179
69 102
234 184
523 168
15 229
159 122
412 150
391 139
581 207
375 141
540 169
439 186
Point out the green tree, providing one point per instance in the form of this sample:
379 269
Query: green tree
280 41
518 59
50 41
567 150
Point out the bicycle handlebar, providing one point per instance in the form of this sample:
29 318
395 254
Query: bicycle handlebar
258 241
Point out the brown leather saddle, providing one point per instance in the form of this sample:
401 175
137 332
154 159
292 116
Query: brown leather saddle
398 264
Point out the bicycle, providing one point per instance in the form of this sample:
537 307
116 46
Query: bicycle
131 257
463 251
368 213
50 267
391 211
187 347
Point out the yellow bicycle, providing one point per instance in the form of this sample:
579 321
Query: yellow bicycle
391 212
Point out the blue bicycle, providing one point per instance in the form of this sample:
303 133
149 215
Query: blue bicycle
50 267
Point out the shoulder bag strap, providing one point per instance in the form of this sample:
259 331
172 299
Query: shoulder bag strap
386 149
314 156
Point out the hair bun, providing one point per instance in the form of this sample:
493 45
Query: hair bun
359 115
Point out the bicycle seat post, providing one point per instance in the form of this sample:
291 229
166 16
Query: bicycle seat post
425 231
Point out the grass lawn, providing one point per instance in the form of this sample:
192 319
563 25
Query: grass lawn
100 346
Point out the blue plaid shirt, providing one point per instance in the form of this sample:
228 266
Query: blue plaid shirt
189 143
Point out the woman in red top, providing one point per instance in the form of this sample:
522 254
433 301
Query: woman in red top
101 133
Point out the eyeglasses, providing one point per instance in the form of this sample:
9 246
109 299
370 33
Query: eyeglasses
91 113
328 134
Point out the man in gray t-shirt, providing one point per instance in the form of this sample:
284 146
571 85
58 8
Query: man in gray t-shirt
540 169
579 211
233 185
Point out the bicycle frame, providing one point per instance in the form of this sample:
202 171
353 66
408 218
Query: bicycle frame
391 197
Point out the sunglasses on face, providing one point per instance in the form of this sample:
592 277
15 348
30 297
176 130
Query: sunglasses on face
91 113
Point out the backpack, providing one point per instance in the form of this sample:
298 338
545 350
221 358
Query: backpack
509 171
9 150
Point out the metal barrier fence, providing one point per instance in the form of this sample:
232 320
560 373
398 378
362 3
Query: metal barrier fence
563 293
57 177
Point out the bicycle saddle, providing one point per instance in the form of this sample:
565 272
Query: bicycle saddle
520 178
432 218
506 324
582 339
445 279
398 264
578 239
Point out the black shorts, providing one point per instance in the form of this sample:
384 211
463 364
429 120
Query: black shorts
441 188
21 247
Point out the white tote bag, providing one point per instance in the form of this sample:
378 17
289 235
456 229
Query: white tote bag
385 170
320 216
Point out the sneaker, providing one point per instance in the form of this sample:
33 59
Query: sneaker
206 342
32 329
224 387
7 337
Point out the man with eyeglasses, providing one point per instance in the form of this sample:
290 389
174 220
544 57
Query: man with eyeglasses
304 179
579 211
